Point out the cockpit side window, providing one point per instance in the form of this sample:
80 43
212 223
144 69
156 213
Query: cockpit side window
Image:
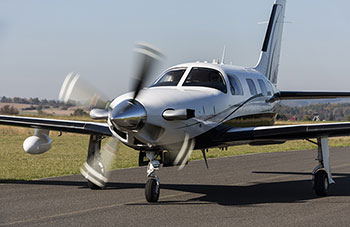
269 88
235 85
170 78
262 87
252 87
206 77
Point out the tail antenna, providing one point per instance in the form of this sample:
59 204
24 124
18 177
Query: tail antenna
223 55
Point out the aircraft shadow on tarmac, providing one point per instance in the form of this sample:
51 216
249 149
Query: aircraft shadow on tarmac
226 195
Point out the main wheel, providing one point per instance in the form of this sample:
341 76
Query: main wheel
152 190
99 168
93 186
321 183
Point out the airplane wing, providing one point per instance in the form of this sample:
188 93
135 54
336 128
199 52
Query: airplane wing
81 127
288 95
263 135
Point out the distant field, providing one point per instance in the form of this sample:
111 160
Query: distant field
48 111
69 151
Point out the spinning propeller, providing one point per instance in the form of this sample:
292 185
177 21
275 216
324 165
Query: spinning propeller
128 115
76 90
181 152
148 58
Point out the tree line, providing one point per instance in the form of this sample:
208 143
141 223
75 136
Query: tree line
34 101
36 104
325 111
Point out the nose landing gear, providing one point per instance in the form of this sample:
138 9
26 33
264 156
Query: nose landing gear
152 188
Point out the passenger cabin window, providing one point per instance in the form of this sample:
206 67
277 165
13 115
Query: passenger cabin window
205 77
252 87
170 78
235 85
262 86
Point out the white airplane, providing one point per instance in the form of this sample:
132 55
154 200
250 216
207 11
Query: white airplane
190 106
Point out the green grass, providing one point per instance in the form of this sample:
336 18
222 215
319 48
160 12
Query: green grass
69 151
66 156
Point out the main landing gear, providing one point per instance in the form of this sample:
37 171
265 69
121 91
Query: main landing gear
152 188
93 169
321 175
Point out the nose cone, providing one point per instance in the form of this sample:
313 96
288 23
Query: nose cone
129 115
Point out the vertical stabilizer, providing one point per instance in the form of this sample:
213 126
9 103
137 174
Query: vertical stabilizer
270 53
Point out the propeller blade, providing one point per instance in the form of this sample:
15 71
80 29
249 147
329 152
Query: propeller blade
108 151
98 171
76 90
180 153
148 59
185 152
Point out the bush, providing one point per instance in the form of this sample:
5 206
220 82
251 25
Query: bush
80 112
7 109
29 108
307 118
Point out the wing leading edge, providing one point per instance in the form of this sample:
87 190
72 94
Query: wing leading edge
294 95
57 125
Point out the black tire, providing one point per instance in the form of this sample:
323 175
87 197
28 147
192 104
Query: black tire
98 166
152 190
321 183
93 186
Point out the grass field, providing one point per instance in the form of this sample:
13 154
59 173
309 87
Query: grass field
69 151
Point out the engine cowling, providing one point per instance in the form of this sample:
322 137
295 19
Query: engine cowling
39 143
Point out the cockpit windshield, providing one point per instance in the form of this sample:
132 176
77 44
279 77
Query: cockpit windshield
205 77
170 78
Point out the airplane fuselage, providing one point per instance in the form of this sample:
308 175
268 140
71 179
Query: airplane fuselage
234 96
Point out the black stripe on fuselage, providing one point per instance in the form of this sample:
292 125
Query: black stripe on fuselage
269 28
217 136
253 120
237 107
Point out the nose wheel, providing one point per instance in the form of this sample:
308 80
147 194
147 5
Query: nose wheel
152 190
152 187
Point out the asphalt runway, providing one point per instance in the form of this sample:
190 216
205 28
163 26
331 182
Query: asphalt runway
272 189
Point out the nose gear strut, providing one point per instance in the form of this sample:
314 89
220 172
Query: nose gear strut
152 188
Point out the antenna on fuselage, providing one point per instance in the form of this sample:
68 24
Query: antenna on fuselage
223 56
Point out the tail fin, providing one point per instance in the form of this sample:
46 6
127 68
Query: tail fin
270 53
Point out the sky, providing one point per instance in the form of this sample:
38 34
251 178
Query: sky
42 41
